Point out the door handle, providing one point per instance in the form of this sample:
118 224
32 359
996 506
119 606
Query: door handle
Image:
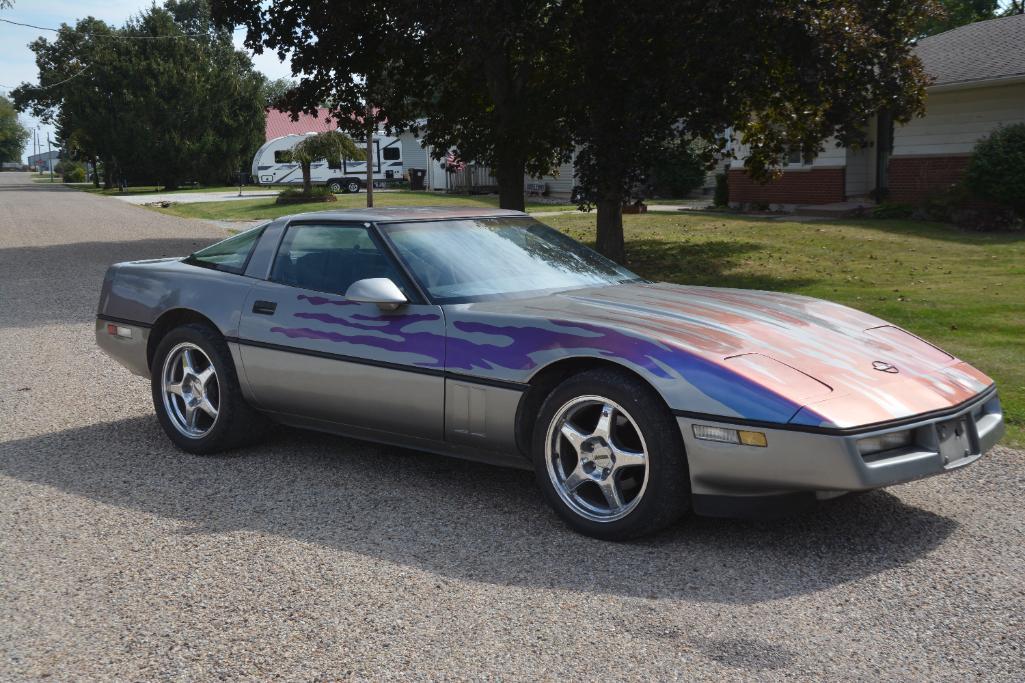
265 307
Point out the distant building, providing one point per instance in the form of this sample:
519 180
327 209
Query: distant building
44 161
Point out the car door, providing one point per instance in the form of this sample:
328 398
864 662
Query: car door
308 351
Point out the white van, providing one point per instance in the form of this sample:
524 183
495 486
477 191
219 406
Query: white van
270 168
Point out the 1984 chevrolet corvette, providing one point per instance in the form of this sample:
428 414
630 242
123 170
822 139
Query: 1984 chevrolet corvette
487 335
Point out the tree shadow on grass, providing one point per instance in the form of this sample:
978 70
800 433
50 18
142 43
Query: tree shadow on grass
463 520
713 264
933 231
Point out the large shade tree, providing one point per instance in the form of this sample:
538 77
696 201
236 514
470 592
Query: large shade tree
13 135
486 75
784 75
165 98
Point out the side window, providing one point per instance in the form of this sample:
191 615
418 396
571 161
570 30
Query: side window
335 165
231 254
281 156
391 153
329 258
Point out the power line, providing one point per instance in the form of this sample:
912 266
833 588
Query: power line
114 36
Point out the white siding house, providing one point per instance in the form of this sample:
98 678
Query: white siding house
978 85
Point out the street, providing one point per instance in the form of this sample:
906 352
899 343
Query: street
313 557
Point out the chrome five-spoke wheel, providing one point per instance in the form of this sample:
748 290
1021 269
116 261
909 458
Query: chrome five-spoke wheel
596 458
190 390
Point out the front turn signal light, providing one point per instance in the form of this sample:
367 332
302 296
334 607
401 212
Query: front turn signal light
726 435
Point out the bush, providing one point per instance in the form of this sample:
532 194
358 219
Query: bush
996 171
893 211
297 196
72 171
722 190
679 170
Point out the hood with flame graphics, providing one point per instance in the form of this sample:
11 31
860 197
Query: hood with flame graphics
735 353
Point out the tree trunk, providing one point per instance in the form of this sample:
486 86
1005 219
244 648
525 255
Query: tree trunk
108 175
96 172
307 182
509 171
370 156
609 241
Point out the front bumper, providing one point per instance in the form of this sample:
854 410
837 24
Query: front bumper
825 463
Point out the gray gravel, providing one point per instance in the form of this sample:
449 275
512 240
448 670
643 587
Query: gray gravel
317 558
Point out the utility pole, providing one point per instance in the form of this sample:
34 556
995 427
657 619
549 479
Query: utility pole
49 160
370 126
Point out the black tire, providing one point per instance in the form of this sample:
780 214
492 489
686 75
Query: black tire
665 497
335 186
236 424
352 186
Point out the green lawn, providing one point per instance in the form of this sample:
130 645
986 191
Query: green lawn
264 207
963 291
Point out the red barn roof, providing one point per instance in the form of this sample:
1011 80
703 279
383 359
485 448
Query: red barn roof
280 123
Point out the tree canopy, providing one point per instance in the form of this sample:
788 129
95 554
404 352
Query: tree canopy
165 98
522 85
13 135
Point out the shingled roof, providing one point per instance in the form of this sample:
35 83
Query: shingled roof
985 51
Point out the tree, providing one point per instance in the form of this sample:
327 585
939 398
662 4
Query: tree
485 74
950 14
274 91
13 135
780 75
330 145
164 98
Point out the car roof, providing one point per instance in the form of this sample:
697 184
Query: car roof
407 213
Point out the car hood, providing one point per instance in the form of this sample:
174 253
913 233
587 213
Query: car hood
832 365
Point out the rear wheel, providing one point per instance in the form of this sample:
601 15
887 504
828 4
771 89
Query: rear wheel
609 456
196 393
352 186
334 186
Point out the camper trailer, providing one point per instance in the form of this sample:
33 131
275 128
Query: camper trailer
270 167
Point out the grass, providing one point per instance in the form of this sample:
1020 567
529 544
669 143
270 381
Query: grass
156 189
265 208
962 291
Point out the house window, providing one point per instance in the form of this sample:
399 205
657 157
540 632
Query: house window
391 153
793 157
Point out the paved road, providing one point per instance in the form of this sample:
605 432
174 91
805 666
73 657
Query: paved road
319 558
199 197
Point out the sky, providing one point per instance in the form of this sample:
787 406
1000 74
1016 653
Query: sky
17 62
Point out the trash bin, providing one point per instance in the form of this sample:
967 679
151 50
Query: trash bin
417 177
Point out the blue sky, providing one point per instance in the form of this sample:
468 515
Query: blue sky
17 62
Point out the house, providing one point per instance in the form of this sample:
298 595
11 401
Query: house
280 123
977 75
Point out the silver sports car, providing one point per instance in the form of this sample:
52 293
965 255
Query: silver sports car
487 335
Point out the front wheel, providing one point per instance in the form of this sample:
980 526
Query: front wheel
335 186
609 456
196 393
352 186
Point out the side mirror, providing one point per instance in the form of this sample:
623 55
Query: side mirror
376 290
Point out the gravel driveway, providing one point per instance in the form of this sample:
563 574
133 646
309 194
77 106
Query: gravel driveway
316 558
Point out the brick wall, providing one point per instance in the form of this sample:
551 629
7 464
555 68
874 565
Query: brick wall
913 179
812 186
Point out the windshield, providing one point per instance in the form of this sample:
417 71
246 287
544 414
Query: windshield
480 258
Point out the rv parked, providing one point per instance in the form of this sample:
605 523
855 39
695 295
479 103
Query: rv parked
270 167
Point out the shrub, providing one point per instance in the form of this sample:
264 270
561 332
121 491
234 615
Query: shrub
996 171
72 172
893 211
679 170
722 190
296 196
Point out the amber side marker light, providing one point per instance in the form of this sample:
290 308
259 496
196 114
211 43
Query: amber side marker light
725 435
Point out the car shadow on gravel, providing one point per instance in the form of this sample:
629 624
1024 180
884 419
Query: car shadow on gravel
44 284
465 521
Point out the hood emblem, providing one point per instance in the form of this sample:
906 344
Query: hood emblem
883 366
